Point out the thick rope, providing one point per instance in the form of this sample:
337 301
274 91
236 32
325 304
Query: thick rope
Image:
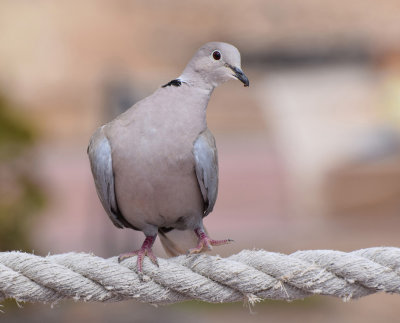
250 275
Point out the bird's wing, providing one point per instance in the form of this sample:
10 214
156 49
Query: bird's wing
206 167
99 152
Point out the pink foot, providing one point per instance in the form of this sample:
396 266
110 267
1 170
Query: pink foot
145 250
206 242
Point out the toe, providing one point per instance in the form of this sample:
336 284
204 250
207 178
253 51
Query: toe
220 242
126 255
152 257
140 262
198 249
193 251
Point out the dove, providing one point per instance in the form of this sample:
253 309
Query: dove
155 166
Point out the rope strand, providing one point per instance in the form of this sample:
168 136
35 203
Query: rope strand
250 275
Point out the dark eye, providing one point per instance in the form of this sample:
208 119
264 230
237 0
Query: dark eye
216 55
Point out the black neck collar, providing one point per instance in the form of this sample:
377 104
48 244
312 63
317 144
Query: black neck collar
175 82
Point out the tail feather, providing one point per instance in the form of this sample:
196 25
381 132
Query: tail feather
177 242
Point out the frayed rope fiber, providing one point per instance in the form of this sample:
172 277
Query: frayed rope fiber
250 275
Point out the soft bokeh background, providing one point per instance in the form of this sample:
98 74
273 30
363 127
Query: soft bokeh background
309 154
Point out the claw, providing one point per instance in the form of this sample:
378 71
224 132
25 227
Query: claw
206 242
145 250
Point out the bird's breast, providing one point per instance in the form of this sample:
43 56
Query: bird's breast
153 161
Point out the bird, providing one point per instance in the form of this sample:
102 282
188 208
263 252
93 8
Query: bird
155 166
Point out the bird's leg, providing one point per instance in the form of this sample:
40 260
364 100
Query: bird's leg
206 242
145 250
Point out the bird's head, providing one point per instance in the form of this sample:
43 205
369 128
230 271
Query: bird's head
213 64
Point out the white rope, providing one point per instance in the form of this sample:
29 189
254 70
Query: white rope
249 275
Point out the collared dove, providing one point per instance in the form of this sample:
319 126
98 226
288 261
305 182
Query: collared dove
155 166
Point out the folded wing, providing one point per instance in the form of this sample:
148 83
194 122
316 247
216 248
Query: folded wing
99 152
206 167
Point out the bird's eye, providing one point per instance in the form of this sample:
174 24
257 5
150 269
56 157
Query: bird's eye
216 55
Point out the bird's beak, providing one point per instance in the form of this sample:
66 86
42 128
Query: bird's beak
238 73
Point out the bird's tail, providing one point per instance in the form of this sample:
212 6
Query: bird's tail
177 242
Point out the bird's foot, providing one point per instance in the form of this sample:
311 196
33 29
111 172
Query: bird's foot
206 242
145 250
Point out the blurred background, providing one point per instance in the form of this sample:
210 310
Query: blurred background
309 154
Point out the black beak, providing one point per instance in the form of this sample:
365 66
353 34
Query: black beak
238 73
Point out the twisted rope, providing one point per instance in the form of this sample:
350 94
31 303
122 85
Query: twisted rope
248 275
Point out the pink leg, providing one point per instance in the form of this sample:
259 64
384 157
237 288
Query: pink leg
206 242
141 253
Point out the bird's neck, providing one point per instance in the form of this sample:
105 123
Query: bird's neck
197 82
195 100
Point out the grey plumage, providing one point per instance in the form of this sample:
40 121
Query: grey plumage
155 166
99 151
206 166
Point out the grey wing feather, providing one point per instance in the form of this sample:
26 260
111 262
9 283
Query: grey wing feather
206 167
99 152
